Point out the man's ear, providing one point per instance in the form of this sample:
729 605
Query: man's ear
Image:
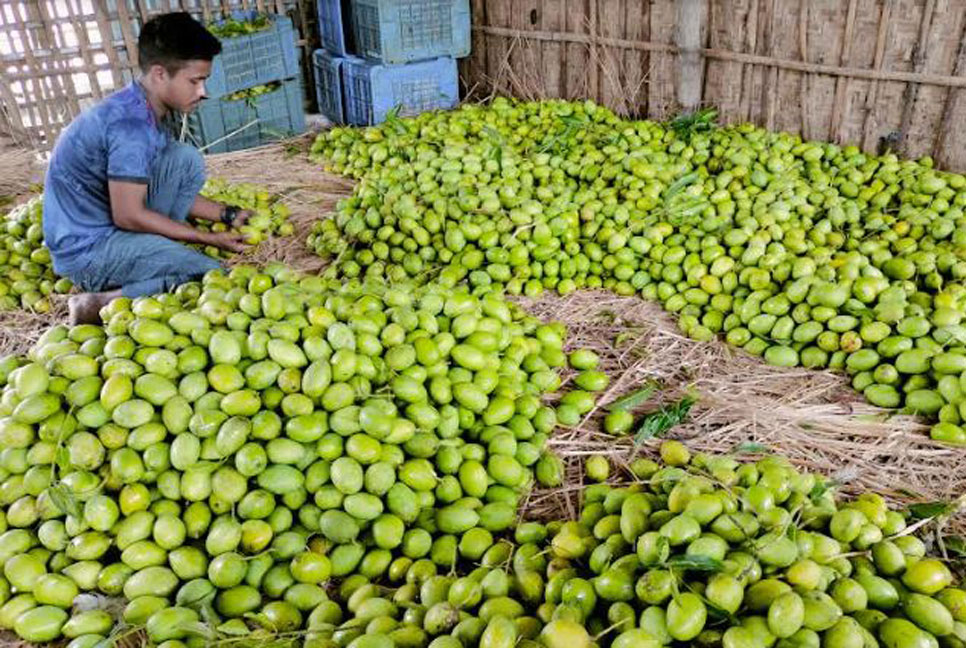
158 73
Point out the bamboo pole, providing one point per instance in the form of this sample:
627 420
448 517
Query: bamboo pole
911 92
870 100
952 95
842 83
689 18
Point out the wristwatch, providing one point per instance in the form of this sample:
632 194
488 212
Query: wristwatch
228 214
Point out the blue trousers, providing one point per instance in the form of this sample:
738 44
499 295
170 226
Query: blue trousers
147 264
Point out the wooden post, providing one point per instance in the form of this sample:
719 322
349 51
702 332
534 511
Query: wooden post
690 16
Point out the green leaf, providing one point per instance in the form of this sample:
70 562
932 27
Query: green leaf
622 338
685 125
572 120
233 630
751 447
681 184
633 399
955 545
695 563
718 614
64 500
62 459
821 488
931 509
658 423
197 628
494 135
908 493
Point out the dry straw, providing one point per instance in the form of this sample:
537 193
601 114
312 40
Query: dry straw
21 170
744 407
19 329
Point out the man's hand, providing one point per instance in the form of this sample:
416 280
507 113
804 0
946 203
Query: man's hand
231 241
241 218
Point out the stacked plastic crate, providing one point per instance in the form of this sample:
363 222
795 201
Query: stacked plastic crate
255 87
386 55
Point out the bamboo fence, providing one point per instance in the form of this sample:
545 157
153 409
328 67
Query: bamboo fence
877 73
59 56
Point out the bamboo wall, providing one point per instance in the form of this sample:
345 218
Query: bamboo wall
879 73
59 56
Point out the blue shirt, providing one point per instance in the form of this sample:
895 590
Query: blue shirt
118 139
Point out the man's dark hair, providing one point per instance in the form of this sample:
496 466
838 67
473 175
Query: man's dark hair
172 40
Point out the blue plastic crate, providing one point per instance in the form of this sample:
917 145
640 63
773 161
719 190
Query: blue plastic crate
400 31
335 26
257 120
373 89
254 59
327 70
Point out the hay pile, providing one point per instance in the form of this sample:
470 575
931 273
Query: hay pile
21 171
812 417
20 329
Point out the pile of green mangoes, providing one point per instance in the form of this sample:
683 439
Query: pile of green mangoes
234 444
26 274
805 253
269 213
701 551
232 27
251 93
713 552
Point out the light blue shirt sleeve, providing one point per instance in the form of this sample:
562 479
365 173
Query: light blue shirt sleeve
130 151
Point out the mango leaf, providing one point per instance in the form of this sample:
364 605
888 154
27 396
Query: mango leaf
196 628
821 488
681 184
955 545
719 614
494 135
64 500
633 399
931 509
658 423
234 628
695 563
909 493
751 447
62 459
687 124
572 121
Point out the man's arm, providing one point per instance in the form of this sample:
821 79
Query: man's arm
128 211
206 209
211 211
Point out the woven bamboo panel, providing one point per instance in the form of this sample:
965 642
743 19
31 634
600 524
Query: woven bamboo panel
59 56
877 73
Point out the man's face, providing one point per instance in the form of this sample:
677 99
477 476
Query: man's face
184 90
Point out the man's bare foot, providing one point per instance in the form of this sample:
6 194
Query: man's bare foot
85 308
